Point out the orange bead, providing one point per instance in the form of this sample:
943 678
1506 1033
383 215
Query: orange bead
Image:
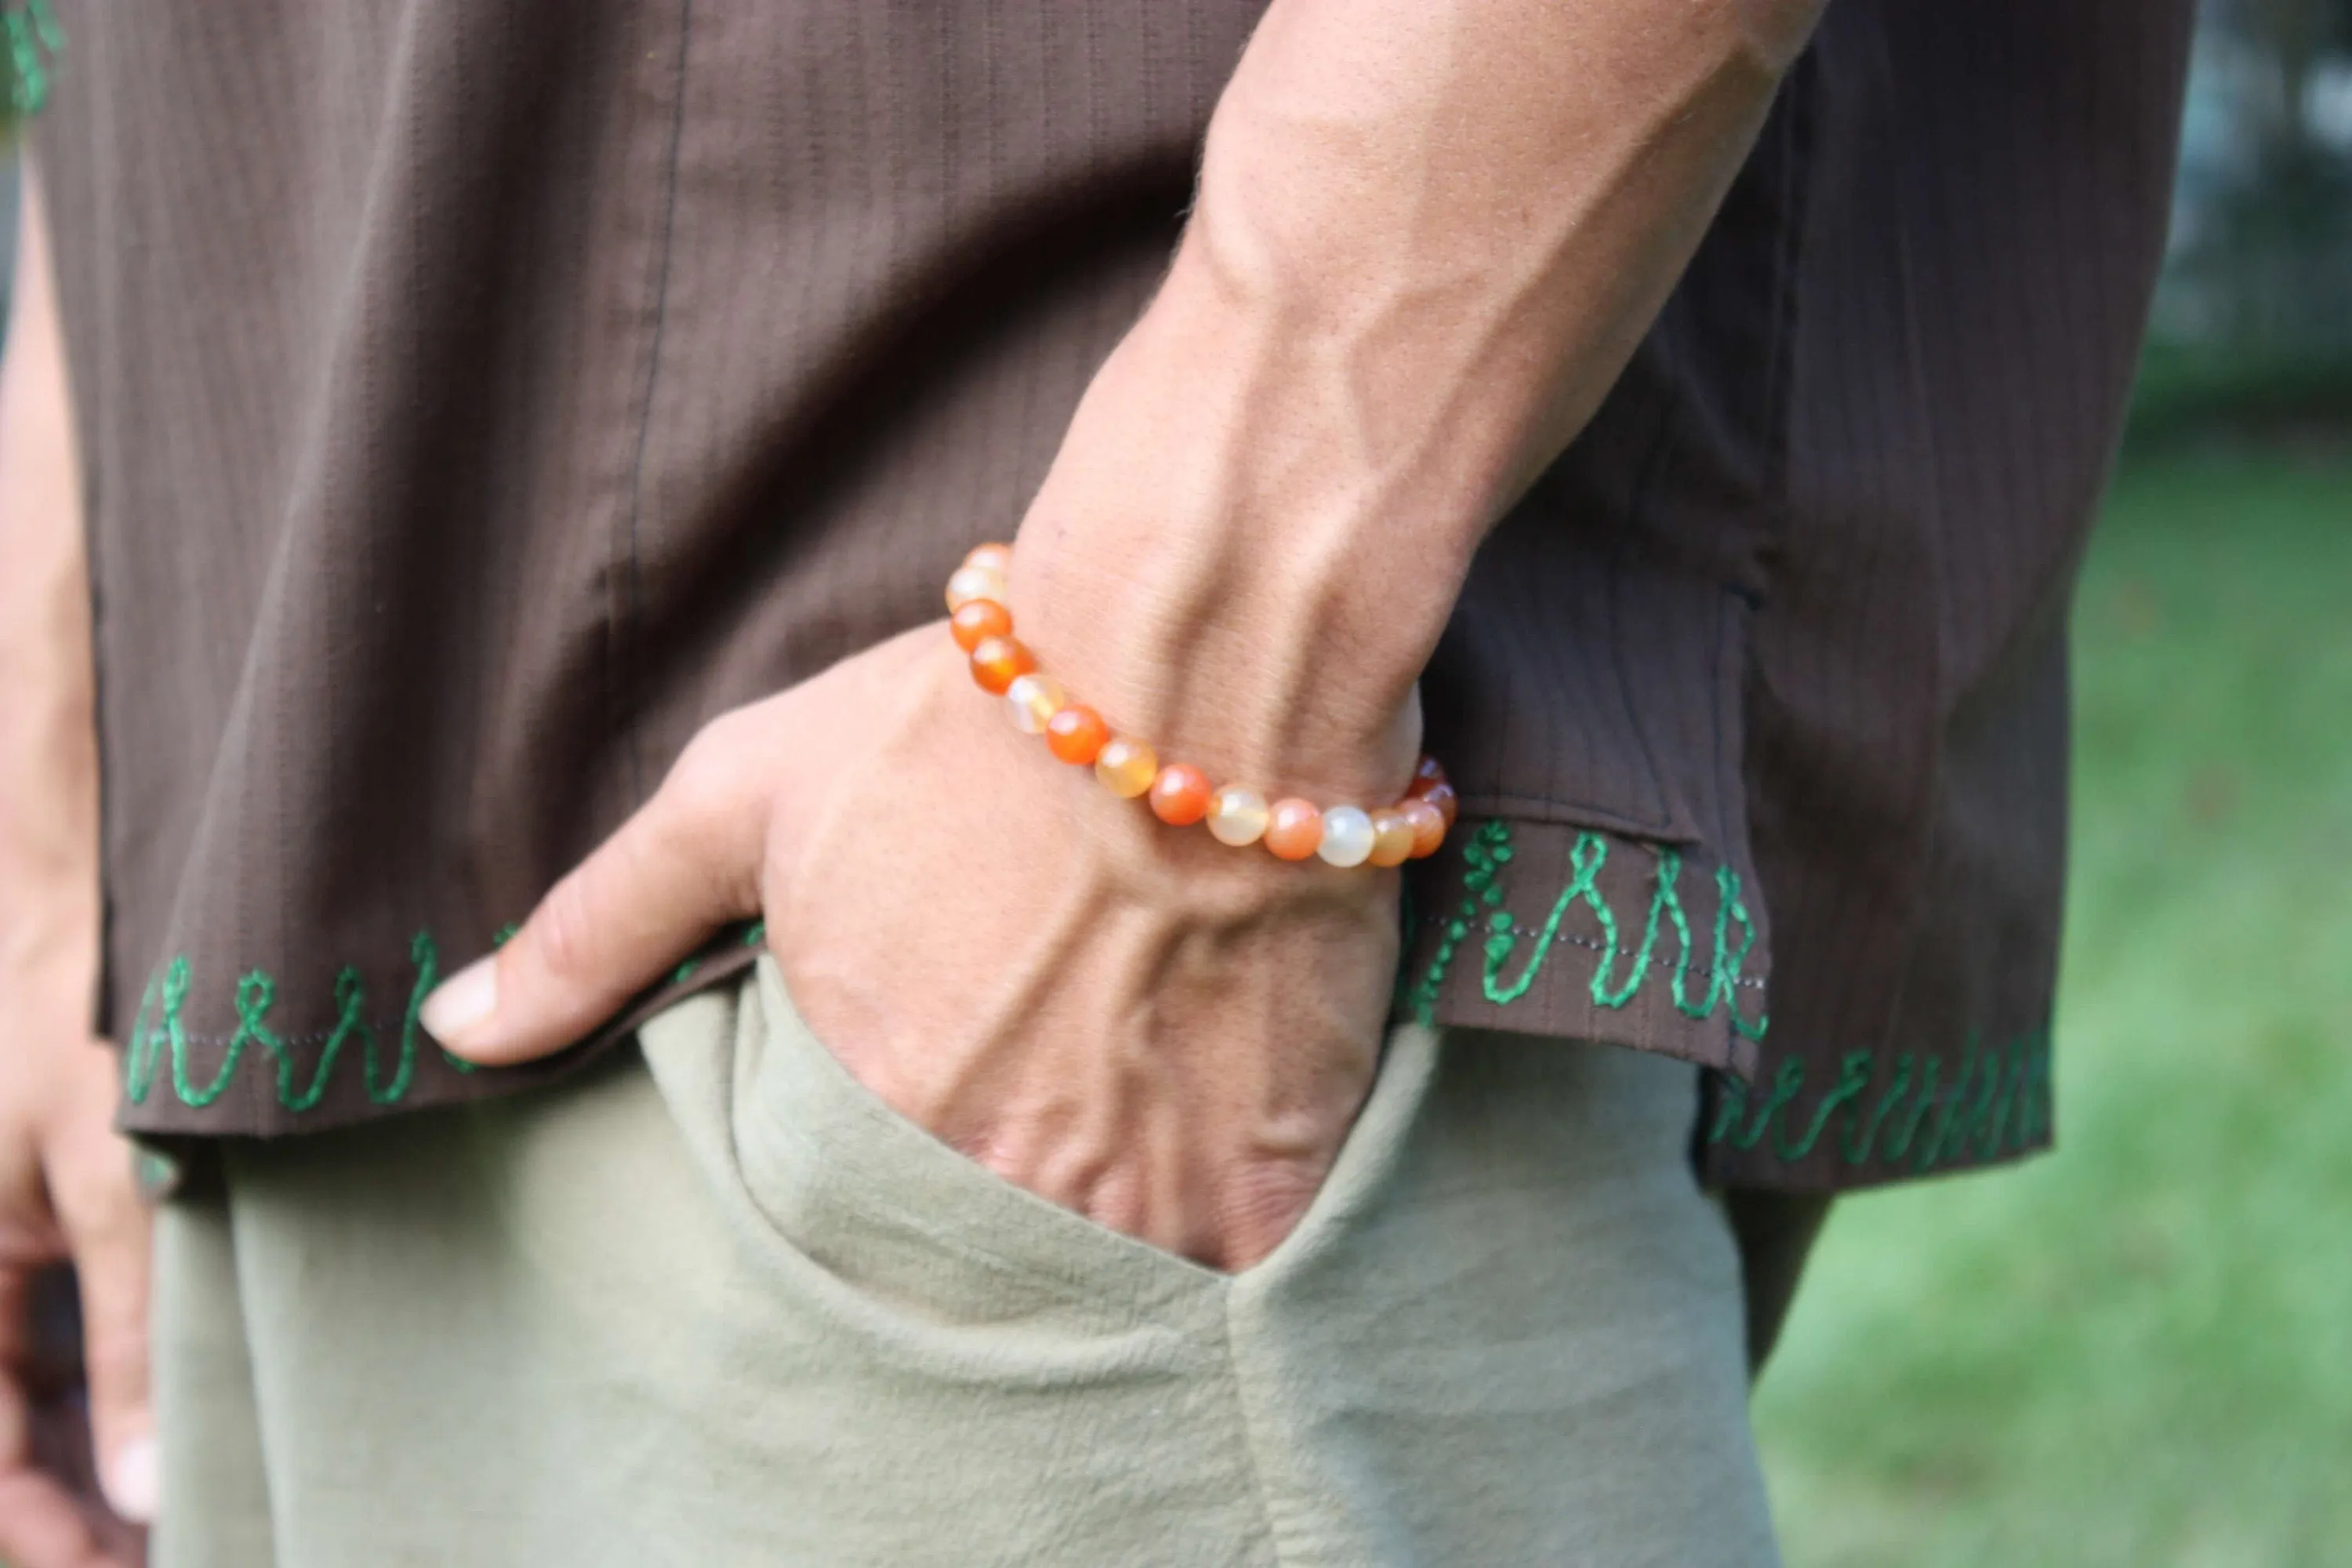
996 558
1076 734
1126 767
1427 774
998 662
1179 796
1428 827
1442 796
1393 838
979 620
1294 830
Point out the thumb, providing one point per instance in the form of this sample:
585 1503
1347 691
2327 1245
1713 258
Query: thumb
110 1231
686 864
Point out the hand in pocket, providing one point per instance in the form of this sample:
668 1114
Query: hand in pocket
1164 1034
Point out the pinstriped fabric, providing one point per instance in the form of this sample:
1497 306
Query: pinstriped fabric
1989 195
479 395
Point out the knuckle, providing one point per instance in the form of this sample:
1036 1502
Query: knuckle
107 1215
91 1183
706 790
564 931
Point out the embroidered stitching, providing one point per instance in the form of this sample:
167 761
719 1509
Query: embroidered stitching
154 1032
157 1032
1998 1099
1488 850
34 38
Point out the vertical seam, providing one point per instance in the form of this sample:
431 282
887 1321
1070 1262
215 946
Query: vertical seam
1797 172
626 616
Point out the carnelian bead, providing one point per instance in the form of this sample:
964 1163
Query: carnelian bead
1428 826
1442 796
1032 699
1126 767
1179 796
977 620
1393 838
998 662
1076 734
1238 815
1427 774
1294 829
971 583
996 558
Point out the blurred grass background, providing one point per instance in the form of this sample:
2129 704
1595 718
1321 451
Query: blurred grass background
2139 1350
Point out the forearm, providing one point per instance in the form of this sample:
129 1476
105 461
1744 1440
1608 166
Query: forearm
48 751
1428 237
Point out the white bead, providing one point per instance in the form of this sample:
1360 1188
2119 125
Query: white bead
971 583
1238 815
1346 836
1034 699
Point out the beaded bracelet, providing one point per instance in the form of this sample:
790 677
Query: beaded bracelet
1179 793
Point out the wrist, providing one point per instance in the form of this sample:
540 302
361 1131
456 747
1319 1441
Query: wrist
1213 564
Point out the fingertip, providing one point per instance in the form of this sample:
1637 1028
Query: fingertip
460 1008
133 1480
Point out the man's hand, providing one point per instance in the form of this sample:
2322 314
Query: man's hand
1427 237
66 1189
1165 1034
67 1194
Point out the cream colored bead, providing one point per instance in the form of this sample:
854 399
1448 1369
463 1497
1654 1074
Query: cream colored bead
1346 836
971 583
1238 815
1034 699
1126 767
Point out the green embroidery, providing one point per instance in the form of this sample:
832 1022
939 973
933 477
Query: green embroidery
1723 977
1997 1101
2035 1102
249 1012
1488 850
1952 1132
1853 1153
157 1032
1786 1086
255 995
1895 1148
148 1039
33 38
1854 1077
2001 1091
1584 863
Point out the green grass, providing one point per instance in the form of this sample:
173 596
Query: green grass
2139 1350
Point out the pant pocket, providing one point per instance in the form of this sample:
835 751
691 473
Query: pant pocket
879 1200
922 1363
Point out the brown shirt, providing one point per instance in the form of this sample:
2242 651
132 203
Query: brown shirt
477 395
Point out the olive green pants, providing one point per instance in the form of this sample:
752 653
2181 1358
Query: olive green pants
733 1309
